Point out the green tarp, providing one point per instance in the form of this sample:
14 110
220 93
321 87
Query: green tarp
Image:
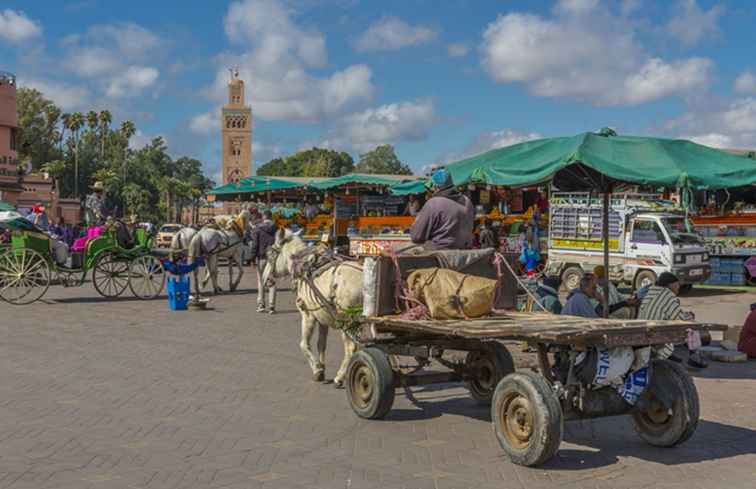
5 206
253 185
640 160
357 178
411 187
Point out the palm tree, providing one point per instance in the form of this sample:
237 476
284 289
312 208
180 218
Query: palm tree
92 119
75 122
66 118
105 119
128 129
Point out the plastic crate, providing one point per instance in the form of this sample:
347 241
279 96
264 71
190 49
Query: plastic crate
719 278
737 278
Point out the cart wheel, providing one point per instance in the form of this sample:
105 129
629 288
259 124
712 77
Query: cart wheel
571 278
370 384
527 418
488 367
146 277
110 275
24 276
664 427
644 278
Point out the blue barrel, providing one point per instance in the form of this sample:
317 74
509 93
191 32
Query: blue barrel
178 292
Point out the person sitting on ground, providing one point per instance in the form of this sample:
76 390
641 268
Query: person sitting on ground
747 340
581 301
661 303
614 295
263 237
446 221
548 295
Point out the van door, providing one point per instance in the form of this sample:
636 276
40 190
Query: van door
646 246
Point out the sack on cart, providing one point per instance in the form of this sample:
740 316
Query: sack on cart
452 295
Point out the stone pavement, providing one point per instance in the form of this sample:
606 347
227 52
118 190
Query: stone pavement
126 394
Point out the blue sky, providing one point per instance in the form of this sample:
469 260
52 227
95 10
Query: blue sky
439 80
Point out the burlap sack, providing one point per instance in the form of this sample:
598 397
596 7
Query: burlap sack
452 295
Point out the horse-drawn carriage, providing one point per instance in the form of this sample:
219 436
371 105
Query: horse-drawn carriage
28 265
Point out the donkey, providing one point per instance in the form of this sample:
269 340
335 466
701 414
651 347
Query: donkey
336 283
213 242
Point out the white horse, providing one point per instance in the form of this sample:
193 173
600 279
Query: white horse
213 242
336 284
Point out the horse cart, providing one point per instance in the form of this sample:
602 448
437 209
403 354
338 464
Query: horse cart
528 408
28 265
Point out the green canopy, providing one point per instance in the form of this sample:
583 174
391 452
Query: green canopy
640 160
358 178
5 206
411 187
253 185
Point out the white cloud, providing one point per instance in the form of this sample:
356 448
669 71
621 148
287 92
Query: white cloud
691 24
584 52
746 83
132 82
392 33
386 124
205 124
275 67
65 96
16 27
731 125
92 62
457 49
488 141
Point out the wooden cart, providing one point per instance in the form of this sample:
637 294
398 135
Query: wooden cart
528 408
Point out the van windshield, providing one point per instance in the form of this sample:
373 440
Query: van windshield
678 230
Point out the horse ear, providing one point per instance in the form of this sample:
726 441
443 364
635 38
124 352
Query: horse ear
298 232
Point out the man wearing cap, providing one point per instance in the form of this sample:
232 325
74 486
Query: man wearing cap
94 205
661 303
446 221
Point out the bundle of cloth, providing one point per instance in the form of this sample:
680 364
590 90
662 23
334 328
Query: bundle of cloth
448 294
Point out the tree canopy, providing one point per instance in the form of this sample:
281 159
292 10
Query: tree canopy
382 160
315 162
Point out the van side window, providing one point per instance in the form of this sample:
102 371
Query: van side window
647 232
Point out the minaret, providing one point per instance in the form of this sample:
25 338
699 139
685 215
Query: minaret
236 131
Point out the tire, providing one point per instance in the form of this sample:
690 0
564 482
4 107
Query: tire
146 277
110 275
370 384
25 276
667 428
571 278
489 367
527 418
643 278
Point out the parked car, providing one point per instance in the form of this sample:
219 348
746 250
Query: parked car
166 234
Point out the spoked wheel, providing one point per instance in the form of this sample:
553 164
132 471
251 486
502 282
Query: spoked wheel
488 367
527 418
146 277
110 275
370 384
24 276
664 426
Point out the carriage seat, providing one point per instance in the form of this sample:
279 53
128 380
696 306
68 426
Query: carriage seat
81 244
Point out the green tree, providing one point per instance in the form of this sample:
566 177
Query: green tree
56 169
75 123
38 121
382 160
104 119
315 162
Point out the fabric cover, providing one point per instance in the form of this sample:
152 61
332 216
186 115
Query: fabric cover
452 295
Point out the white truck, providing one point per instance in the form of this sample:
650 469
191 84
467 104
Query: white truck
647 236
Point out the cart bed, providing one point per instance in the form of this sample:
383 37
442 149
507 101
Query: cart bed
547 328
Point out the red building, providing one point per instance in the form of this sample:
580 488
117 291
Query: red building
10 186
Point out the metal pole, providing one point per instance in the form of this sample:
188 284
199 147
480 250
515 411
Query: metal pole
605 239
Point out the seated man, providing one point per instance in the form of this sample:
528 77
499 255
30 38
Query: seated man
614 295
747 340
580 302
548 295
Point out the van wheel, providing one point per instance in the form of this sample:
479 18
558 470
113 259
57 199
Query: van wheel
644 278
571 278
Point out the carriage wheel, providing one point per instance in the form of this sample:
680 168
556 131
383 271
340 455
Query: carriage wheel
487 368
146 277
370 384
24 276
110 275
527 418
666 427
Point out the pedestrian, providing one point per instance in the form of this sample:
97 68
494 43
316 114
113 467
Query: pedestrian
747 340
488 236
661 303
263 237
548 295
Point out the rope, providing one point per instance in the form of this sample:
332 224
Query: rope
498 259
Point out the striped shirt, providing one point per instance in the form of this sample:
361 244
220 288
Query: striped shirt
662 304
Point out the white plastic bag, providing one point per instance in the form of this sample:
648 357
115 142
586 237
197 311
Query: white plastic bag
369 286
613 364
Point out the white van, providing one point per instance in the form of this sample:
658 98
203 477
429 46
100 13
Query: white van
647 236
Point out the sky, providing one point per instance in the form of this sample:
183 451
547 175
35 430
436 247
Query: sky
440 80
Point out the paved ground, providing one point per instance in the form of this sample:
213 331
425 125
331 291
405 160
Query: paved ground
126 394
